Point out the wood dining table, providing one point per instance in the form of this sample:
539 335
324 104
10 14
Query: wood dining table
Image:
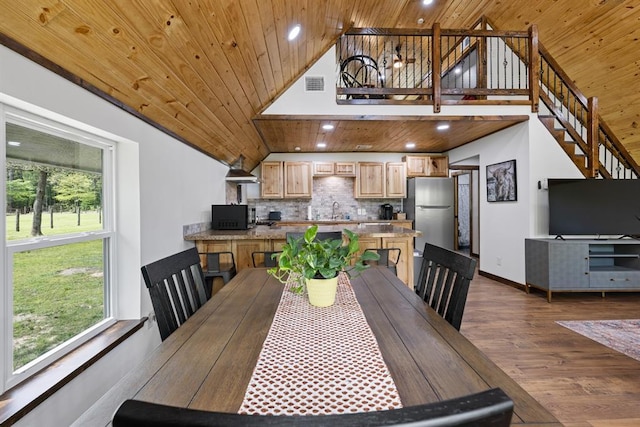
207 363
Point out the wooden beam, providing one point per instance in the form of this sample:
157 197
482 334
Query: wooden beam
437 65
592 137
534 65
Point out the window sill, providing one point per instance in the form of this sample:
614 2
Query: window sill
18 401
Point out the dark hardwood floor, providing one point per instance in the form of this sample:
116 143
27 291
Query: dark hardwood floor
583 383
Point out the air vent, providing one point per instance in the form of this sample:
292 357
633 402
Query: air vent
364 147
314 84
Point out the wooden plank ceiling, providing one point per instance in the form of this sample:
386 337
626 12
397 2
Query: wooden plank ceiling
204 69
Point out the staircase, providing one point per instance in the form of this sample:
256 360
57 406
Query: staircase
573 121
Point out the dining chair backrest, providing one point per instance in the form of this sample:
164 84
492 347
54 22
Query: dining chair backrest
491 408
265 258
220 264
443 281
320 235
389 257
176 287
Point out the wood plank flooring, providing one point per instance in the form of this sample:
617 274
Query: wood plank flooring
583 383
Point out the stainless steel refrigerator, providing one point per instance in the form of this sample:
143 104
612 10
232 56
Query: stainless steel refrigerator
430 204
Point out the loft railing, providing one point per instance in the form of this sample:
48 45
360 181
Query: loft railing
479 66
397 66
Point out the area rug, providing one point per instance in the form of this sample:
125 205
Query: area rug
620 335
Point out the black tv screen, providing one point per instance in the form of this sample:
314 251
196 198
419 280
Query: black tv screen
594 206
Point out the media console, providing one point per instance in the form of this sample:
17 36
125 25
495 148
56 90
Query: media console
581 265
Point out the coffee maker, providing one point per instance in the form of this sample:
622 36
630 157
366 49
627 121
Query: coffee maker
386 211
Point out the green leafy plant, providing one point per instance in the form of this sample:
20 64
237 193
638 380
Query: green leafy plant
307 258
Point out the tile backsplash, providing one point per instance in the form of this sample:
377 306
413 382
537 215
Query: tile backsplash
326 192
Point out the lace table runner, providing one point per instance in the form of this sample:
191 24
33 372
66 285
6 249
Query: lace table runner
320 361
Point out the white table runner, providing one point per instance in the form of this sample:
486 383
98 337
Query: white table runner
320 361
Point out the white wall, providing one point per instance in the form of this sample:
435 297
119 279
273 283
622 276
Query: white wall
505 225
162 185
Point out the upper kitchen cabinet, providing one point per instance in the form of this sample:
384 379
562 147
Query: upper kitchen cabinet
298 180
272 181
420 166
345 169
396 182
370 180
323 168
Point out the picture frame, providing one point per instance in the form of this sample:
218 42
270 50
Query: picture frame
502 182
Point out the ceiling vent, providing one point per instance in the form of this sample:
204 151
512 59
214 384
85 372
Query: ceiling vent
314 84
364 147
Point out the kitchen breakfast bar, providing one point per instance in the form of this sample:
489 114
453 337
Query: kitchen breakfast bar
242 243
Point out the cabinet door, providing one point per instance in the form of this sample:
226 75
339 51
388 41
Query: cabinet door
345 168
416 165
438 166
298 180
405 264
568 265
396 180
323 168
271 185
369 180
242 250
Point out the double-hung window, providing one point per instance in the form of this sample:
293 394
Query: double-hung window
59 240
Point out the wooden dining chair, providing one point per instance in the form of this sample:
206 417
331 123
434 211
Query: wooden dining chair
389 257
265 258
220 264
177 289
491 408
443 282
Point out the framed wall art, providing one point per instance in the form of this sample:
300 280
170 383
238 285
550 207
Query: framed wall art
501 182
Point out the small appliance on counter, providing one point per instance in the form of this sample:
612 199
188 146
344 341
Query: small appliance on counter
229 217
275 216
386 211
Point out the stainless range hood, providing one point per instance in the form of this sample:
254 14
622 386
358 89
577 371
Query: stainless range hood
238 175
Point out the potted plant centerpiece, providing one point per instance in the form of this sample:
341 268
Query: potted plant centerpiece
315 264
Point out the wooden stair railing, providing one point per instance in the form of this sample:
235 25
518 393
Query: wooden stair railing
575 123
436 53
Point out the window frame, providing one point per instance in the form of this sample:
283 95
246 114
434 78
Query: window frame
60 127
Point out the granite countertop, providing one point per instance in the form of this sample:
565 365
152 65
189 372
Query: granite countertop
278 231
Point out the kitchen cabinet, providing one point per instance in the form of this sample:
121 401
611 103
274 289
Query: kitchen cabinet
286 180
298 180
323 168
272 180
370 180
396 180
425 166
345 168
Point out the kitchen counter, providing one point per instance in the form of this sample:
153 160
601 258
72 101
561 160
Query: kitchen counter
279 231
242 243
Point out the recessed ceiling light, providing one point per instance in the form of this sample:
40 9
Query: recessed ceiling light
294 32
14 143
297 148
427 2
410 145
442 127
327 127
321 145
457 70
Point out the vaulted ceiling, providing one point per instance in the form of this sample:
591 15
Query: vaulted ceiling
204 70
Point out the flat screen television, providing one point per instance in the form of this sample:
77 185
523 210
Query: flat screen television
594 207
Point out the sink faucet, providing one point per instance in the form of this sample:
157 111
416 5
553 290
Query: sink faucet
335 206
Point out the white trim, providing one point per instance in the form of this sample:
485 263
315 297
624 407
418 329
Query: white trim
26 115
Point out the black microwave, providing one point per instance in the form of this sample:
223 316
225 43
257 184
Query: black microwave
229 217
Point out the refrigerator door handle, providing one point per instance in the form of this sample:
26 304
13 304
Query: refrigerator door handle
434 207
